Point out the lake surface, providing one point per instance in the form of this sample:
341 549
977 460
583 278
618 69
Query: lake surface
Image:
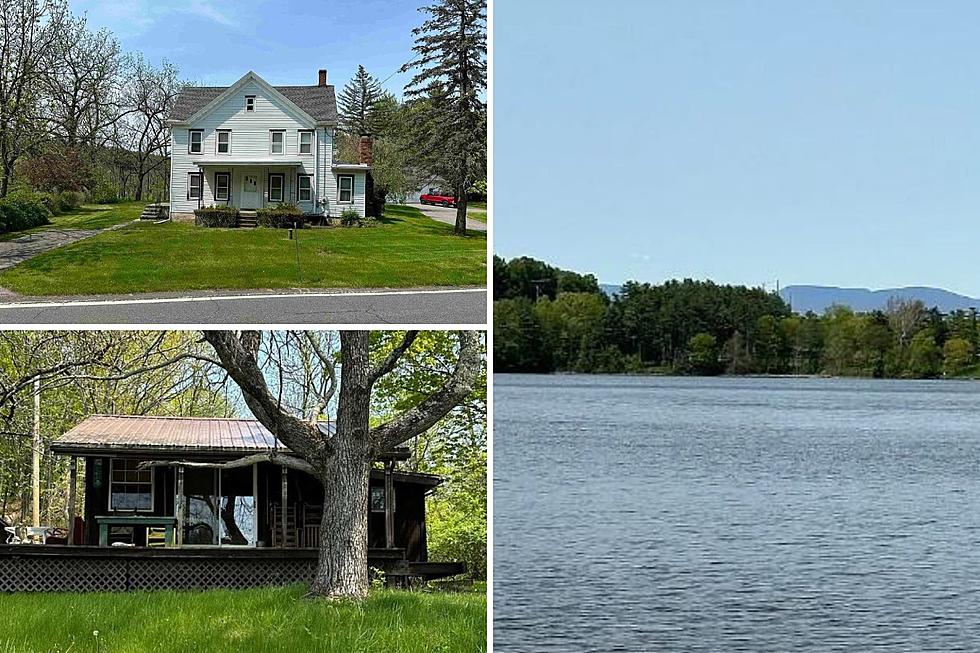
691 514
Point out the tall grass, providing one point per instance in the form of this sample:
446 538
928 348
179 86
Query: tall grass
267 619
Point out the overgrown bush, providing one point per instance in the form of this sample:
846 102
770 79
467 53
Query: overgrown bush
69 200
282 216
350 218
51 202
22 210
216 216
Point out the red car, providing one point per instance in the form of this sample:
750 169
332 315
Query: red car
438 197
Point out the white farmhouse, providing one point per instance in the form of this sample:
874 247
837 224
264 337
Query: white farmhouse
252 145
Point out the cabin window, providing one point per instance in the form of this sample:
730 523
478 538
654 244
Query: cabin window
345 188
196 142
224 141
275 187
278 140
305 186
306 142
250 103
378 499
222 186
130 488
194 186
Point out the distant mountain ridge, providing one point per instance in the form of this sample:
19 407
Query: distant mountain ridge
803 298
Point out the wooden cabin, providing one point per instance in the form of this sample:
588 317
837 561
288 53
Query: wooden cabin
150 494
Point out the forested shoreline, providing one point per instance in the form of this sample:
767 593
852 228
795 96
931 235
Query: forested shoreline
551 320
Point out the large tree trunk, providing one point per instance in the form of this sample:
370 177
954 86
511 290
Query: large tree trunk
460 228
342 570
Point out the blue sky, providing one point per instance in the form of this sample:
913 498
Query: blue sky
215 43
831 142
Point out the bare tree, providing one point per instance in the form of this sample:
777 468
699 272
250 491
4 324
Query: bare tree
83 84
342 462
150 93
28 30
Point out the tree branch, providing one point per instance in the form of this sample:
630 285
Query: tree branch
391 360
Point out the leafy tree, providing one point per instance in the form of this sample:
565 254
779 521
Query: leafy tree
518 341
703 353
569 324
924 356
957 356
451 124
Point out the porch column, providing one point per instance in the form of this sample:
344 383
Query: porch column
179 507
72 485
285 497
390 504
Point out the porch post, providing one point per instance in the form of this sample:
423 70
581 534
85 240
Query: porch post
72 485
282 517
389 504
179 507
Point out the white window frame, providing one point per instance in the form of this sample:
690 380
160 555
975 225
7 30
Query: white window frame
190 141
340 189
250 106
217 141
227 197
299 141
272 142
200 186
282 187
300 189
153 496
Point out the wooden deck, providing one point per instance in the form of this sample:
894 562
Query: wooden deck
56 568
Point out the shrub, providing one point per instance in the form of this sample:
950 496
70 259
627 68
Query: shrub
69 200
22 211
51 202
282 216
216 216
350 218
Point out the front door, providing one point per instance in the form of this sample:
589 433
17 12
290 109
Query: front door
250 190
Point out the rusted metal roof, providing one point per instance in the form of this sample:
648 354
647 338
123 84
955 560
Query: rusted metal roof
115 432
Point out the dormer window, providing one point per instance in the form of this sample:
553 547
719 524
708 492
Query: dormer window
224 141
277 142
306 142
196 143
250 103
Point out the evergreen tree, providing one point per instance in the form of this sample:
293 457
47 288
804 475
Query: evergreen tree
451 53
357 103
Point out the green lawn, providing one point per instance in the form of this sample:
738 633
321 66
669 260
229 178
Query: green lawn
477 215
96 216
477 205
406 249
268 619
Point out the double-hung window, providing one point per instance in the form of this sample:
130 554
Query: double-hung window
224 141
222 186
276 187
277 141
306 142
304 185
345 189
195 144
130 487
194 186
250 103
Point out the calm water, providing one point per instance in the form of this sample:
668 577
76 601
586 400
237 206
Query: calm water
648 514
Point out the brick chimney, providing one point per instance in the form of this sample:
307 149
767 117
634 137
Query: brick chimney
365 150
323 77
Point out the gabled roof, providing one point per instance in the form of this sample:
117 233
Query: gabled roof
319 103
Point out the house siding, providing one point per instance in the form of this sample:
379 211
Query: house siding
250 138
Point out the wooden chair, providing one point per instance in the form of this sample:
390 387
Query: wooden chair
156 537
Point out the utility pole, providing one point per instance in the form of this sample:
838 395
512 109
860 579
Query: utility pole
36 446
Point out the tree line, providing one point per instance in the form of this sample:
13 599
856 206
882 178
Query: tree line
551 320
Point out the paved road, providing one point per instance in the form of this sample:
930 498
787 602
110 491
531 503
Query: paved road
416 306
448 215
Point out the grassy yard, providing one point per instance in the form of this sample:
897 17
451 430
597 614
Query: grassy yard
268 619
407 249
87 217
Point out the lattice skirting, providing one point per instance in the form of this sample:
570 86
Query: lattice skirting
93 574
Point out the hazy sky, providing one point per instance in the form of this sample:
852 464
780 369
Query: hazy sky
215 43
813 142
